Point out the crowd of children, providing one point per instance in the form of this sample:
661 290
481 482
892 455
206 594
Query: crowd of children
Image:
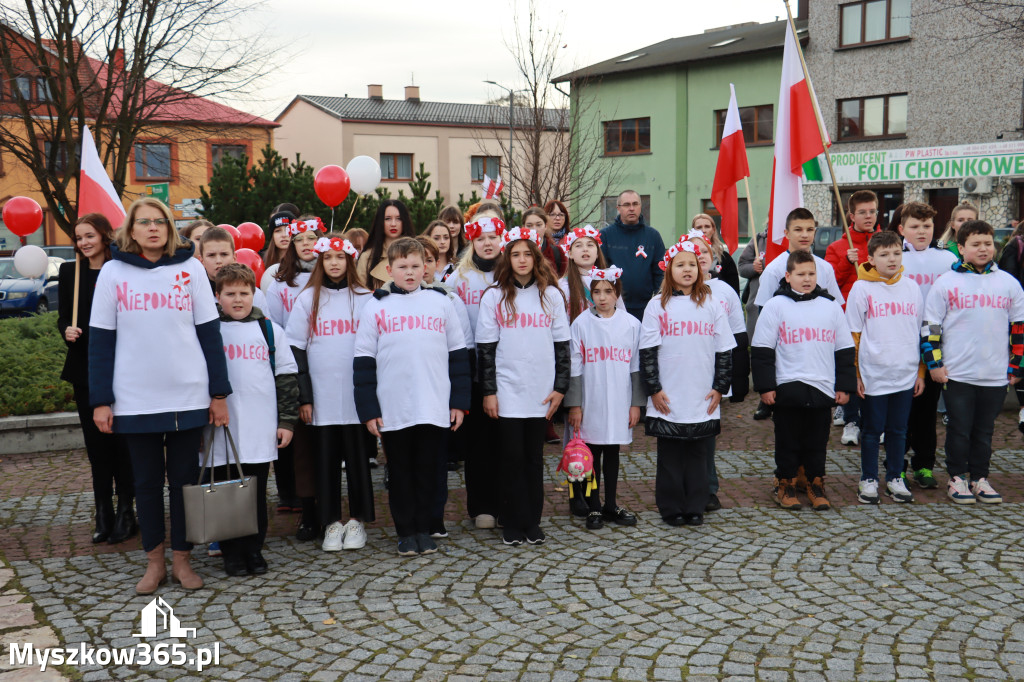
510 328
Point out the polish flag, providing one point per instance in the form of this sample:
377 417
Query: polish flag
732 167
797 141
95 190
492 188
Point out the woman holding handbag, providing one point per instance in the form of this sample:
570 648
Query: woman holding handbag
157 373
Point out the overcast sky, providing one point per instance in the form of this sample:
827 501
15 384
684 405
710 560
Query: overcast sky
448 48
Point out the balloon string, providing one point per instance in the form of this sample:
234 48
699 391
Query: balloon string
332 220
350 213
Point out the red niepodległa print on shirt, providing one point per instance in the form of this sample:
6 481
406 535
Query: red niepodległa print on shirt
391 324
286 298
523 320
670 327
788 335
129 300
335 327
958 301
605 354
252 351
890 308
469 296
924 277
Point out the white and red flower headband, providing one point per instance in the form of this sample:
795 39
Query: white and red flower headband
335 244
312 225
573 235
683 244
483 226
517 233
609 274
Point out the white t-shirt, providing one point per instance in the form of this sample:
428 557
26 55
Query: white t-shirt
330 350
688 338
159 365
463 313
805 336
411 335
888 319
252 405
469 285
776 271
525 359
281 298
727 297
268 276
605 352
924 267
975 312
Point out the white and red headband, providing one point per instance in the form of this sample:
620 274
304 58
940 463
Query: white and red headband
683 244
609 274
311 225
517 233
573 235
335 244
483 226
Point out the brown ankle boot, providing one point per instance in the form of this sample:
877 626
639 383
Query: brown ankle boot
182 573
785 494
816 494
156 571
800 482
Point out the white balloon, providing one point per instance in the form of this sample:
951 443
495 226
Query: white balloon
30 261
364 174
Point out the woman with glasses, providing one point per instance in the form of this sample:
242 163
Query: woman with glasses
157 373
558 216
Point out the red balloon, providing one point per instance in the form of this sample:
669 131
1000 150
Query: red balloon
252 260
252 236
23 216
233 231
331 184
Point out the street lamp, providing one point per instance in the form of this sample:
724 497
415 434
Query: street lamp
510 92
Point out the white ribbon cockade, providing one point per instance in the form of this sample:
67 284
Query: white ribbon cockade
573 235
335 244
640 253
609 274
517 233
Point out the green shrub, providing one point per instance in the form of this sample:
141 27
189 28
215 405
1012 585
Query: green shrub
31 359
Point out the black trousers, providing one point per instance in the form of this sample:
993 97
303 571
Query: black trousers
482 459
606 461
174 454
443 457
681 480
412 472
109 460
921 436
239 548
801 436
284 473
521 455
339 443
972 414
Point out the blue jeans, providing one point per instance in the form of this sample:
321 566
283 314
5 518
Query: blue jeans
852 410
887 414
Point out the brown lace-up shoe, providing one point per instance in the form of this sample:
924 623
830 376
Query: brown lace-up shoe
816 494
785 495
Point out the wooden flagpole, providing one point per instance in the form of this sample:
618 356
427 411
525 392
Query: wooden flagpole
74 303
750 211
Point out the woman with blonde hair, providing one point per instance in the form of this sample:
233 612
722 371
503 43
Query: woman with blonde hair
963 212
723 266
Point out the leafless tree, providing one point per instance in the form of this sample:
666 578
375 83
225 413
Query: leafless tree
118 66
993 19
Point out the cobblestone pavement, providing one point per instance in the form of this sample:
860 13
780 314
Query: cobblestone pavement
922 591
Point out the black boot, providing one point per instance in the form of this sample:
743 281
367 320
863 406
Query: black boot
578 503
309 526
125 525
104 519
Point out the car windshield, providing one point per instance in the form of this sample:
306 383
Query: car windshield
7 270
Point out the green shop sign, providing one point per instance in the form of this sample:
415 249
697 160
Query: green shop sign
993 159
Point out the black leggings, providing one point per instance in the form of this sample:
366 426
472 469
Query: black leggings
337 443
108 454
606 461
239 548
521 456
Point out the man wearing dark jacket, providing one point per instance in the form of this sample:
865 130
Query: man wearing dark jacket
637 248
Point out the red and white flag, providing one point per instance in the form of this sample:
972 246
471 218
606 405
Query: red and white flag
492 187
95 190
797 141
732 167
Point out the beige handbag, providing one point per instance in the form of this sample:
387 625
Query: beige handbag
220 510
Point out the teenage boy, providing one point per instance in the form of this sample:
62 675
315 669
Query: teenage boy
411 377
217 249
800 227
862 216
924 262
884 311
972 341
262 408
802 361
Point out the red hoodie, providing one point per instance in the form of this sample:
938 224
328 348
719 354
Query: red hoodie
846 272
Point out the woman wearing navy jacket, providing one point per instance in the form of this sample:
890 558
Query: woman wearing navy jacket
157 373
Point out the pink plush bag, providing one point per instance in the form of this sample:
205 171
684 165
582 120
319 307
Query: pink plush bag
577 463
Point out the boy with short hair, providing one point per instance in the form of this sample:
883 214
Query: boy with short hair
802 361
800 227
411 377
217 249
972 341
884 312
262 408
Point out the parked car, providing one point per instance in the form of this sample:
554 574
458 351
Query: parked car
62 252
20 295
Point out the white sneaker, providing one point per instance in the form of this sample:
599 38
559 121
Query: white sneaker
851 434
959 492
881 438
984 492
867 491
485 521
897 490
1020 418
355 535
334 536
837 417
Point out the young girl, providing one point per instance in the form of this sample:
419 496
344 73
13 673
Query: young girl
605 393
456 222
523 353
391 222
686 367
446 248
537 220
725 266
469 281
277 246
582 247
964 211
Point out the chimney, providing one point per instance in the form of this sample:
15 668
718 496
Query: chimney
802 9
412 94
375 92
117 63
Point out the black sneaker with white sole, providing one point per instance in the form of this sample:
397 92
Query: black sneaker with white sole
535 536
511 537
